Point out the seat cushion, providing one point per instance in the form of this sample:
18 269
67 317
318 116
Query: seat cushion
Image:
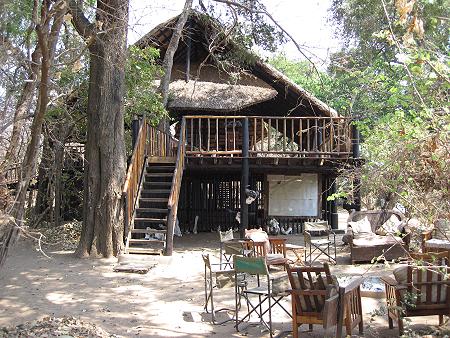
361 226
370 240
437 244
442 229
401 276
391 226
317 283
274 259
258 235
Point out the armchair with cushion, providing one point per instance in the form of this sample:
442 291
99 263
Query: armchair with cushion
373 233
317 298
418 289
438 238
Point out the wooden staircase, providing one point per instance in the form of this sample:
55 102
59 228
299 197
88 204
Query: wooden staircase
151 191
149 231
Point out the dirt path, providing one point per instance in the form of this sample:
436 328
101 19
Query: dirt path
166 302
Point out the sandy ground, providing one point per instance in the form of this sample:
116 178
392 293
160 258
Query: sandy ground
165 302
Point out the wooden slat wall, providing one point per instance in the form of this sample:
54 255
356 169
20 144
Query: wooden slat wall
216 200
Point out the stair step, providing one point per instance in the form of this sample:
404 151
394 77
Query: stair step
155 191
151 251
148 231
150 219
159 174
145 241
160 169
155 210
155 184
154 199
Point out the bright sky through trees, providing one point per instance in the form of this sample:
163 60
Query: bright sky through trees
305 20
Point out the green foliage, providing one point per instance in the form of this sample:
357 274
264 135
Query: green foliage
396 77
141 91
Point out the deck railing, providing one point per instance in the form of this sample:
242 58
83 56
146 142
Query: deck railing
174 196
11 174
308 137
160 144
134 175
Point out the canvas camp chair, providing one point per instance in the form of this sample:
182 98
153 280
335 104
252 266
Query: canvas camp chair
277 254
230 246
227 251
264 293
323 245
418 289
217 276
318 299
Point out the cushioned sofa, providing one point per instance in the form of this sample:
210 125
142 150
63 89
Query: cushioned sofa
373 233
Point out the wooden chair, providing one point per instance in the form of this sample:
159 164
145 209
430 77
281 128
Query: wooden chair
418 290
438 238
276 257
262 292
317 299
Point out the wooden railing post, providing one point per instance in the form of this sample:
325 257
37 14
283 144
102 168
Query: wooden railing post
355 142
244 178
357 180
126 220
172 204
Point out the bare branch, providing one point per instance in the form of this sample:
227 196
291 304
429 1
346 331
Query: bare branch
171 49
83 26
264 12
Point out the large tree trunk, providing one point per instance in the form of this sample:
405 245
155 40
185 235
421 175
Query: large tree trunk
21 109
102 232
47 34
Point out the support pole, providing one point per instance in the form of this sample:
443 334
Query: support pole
334 219
355 142
188 50
244 178
135 124
356 156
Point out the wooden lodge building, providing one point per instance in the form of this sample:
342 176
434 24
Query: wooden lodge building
257 130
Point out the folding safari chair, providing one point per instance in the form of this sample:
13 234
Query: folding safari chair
217 276
227 251
230 246
320 245
264 292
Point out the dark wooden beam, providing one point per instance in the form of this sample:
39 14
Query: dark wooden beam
244 178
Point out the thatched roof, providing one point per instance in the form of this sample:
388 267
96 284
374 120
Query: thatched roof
288 92
218 97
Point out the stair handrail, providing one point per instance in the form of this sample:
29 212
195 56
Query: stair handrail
172 204
133 178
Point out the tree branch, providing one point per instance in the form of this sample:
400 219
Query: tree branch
252 10
82 25
171 49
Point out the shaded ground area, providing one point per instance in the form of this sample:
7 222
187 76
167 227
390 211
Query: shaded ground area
166 302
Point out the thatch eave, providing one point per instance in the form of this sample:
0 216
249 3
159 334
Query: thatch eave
217 97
